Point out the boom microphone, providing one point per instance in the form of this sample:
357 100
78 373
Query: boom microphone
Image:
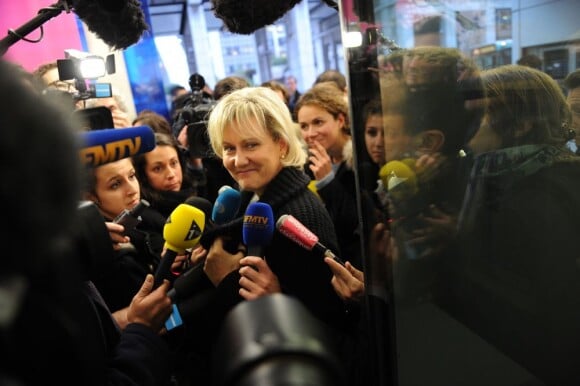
290 227
119 23
102 146
257 228
182 231
247 16
226 205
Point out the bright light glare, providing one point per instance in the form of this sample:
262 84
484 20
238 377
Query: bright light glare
352 39
92 67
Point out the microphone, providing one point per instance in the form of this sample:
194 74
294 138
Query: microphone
204 205
119 23
290 227
247 16
226 205
182 230
257 228
107 145
130 218
399 179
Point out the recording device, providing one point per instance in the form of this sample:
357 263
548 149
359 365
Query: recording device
194 114
182 230
103 146
226 205
84 69
290 227
274 340
130 218
257 228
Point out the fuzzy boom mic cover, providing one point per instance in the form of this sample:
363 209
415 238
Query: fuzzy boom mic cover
247 16
118 23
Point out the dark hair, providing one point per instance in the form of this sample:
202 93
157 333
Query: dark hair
228 84
530 60
277 86
139 162
155 121
39 152
334 76
572 80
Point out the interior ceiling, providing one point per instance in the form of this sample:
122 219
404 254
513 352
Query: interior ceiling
168 16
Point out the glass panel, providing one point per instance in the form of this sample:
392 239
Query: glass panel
471 268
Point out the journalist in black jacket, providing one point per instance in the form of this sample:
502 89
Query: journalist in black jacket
54 327
252 131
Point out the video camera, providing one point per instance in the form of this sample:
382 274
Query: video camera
194 114
84 69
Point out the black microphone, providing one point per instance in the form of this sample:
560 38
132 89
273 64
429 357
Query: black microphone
257 228
290 227
119 23
247 16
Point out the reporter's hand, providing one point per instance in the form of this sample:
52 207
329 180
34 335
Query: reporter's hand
150 307
347 281
116 234
219 262
256 278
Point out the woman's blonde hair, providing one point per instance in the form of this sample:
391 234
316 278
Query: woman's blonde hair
255 110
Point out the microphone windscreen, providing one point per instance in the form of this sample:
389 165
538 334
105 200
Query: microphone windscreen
119 23
99 147
290 227
183 228
226 206
247 16
399 179
258 224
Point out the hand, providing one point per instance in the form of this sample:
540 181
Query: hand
120 119
198 255
320 162
150 308
182 137
348 282
257 278
437 233
219 262
116 234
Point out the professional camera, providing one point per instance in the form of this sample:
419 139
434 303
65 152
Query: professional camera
77 82
194 114
84 69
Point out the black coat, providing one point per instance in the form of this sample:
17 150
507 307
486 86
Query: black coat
301 273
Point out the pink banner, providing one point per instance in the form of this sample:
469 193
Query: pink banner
60 33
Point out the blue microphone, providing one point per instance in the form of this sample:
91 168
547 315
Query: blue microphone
226 205
258 228
99 147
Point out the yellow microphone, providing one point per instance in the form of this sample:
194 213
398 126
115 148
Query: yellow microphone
312 188
399 179
183 230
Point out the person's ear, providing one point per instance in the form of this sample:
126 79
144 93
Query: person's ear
432 141
90 197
